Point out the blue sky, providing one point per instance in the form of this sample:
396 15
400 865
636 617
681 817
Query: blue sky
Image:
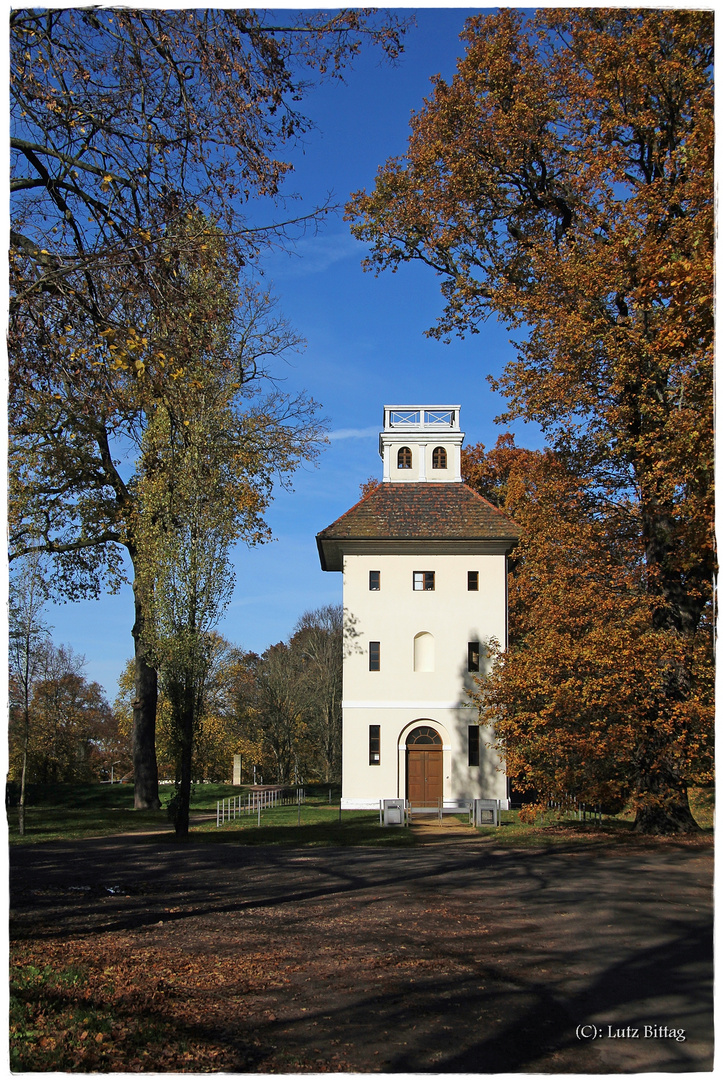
365 347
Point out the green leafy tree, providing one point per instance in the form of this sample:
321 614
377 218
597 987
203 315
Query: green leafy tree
132 132
202 485
563 181
219 731
187 525
75 427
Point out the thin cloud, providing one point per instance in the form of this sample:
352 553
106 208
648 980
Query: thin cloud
316 254
353 433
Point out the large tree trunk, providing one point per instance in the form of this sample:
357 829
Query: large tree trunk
23 775
145 766
184 726
663 807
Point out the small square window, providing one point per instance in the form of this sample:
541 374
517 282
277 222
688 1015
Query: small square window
473 656
374 656
473 581
473 745
375 580
423 581
374 744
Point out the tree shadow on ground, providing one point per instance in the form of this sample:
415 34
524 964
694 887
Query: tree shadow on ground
463 958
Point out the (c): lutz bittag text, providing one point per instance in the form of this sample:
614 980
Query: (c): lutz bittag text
612 1031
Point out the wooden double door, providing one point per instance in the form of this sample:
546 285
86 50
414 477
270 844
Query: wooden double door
424 767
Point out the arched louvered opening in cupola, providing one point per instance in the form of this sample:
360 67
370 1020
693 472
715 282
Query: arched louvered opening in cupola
404 458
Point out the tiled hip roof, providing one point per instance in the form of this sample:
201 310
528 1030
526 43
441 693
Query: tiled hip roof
419 511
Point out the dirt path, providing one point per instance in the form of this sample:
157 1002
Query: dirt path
454 956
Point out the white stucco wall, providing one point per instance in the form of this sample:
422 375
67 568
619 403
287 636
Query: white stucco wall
396 614
397 697
363 785
422 454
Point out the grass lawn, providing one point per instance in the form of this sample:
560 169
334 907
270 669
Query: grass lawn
314 823
74 811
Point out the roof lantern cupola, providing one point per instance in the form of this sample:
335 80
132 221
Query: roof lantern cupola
421 443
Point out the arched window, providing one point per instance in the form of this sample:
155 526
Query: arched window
404 458
439 458
424 652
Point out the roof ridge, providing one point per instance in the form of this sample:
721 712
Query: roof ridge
497 509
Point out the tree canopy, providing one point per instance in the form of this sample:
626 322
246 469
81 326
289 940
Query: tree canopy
592 703
122 120
68 732
563 181
195 496
140 143
280 711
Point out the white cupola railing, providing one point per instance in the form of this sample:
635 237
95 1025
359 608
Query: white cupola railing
421 417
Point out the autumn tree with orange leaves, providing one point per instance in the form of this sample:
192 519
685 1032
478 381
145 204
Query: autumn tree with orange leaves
563 181
590 689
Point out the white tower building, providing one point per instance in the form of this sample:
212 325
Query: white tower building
424 559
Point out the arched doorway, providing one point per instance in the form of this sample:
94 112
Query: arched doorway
424 766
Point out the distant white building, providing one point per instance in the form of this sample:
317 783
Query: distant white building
424 560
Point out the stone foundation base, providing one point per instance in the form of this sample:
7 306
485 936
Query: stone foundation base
361 804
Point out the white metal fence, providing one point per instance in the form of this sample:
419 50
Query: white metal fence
256 800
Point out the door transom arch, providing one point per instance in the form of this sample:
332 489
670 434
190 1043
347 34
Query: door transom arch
424 736
424 766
